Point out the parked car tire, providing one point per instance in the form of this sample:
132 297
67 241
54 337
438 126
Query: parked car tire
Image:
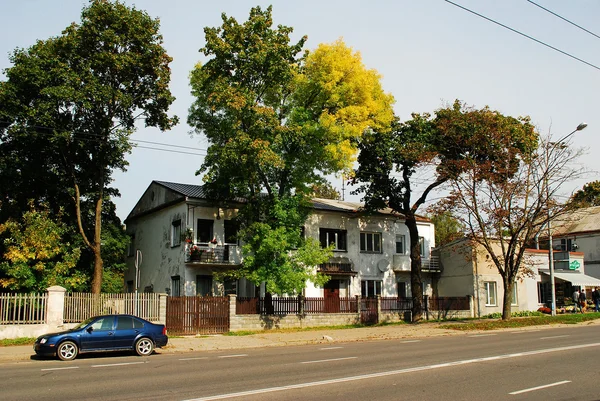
67 351
144 346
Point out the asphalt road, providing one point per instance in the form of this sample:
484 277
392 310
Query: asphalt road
552 364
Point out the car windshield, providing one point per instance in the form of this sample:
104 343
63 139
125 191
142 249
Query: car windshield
84 323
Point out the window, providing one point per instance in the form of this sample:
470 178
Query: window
205 230
490 293
131 247
400 244
370 288
370 242
514 300
175 286
230 287
130 286
544 293
105 323
336 237
124 323
422 246
402 289
231 229
176 233
204 285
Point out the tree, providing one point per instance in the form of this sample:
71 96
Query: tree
588 196
77 97
35 255
278 121
447 228
391 163
504 216
325 190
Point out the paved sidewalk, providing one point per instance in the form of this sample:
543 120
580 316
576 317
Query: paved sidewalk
277 339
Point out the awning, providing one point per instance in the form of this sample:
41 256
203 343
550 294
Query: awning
576 278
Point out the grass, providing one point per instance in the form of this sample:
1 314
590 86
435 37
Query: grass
516 322
17 341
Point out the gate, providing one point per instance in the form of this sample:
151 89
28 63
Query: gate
368 311
197 315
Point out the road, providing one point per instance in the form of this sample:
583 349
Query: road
549 364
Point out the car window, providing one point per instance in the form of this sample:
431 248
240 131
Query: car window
124 323
137 324
104 323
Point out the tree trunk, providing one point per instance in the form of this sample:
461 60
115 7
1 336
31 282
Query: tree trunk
98 264
507 300
415 269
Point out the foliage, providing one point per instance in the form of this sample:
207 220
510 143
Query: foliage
8 342
278 120
35 255
325 191
491 324
444 145
588 196
503 216
523 313
77 97
447 228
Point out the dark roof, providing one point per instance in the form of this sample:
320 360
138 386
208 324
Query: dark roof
189 190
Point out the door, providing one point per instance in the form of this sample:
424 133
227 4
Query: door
99 335
126 331
332 296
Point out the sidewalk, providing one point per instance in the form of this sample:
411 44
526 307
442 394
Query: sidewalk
278 339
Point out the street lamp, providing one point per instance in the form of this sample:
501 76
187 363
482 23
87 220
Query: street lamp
550 250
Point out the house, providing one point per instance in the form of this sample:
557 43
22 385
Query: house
580 231
181 241
467 269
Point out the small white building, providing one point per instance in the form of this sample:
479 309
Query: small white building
180 241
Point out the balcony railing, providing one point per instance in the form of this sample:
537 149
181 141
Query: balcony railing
219 254
401 263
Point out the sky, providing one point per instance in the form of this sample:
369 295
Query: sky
429 53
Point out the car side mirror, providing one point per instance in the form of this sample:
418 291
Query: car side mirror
89 329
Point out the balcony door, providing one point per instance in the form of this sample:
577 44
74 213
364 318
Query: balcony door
204 232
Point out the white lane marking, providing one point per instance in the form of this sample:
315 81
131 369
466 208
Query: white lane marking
546 338
328 348
389 373
193 359
233 356
70 367
411 341
331 360
481 335
117 364
539 387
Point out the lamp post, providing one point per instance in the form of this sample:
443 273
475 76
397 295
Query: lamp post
550 250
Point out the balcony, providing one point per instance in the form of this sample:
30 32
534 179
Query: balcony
228 254
401 263
337 268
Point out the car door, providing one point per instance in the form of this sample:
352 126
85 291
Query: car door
99 334
126 331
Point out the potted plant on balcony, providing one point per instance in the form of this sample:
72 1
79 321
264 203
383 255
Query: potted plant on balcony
213 243
188 236
195 253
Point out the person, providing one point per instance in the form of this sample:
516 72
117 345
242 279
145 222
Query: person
596 299
576 300
582 299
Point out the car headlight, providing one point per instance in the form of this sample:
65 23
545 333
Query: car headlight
43 340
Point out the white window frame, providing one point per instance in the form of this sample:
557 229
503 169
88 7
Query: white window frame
377 288
371 240
401 239
332 236
514 296
491 299
175 233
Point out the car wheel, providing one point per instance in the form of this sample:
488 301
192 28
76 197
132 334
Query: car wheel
144 346
67 351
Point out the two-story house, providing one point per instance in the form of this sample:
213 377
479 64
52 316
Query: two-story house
181 241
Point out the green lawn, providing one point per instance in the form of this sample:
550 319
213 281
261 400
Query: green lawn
515 322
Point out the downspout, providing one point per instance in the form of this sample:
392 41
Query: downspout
478 313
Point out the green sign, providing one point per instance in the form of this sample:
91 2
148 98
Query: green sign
574 265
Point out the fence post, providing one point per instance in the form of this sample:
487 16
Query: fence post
358 308
56 306
378 308
162 308
232 305
426 306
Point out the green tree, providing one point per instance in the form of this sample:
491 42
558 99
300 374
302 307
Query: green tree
71 102
588 196
278 120
35 255
325 190
447 145
447 227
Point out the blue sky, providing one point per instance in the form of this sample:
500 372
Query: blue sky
429 52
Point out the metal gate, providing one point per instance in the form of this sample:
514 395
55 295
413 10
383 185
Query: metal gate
197 315
368 311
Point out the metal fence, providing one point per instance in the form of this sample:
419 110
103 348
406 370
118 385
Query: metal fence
80 306
393 304
197 315
448 303
23 308
294 305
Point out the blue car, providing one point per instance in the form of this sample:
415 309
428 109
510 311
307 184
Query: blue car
104 333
